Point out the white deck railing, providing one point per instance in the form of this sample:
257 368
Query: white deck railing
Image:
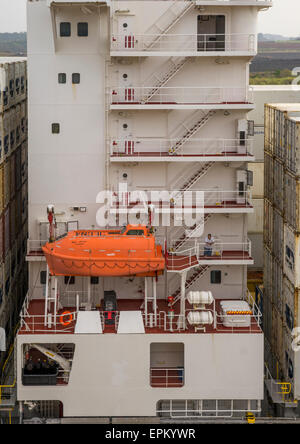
180 95
35 246
254 319
144 147
197 43
198 252
167 377
180 199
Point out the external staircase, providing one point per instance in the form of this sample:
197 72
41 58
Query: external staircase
194 122
189 234
166 72
197 273
167 20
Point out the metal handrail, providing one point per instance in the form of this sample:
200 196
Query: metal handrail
169 379
138 147
197 43
179 95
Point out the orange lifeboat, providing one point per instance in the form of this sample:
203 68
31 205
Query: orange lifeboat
128 252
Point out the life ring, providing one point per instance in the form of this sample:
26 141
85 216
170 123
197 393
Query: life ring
68 321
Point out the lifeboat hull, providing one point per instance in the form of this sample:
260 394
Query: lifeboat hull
108 255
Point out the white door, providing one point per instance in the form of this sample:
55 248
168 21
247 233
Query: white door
126 87
125 31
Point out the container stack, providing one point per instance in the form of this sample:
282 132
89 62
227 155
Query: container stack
13 190
281 239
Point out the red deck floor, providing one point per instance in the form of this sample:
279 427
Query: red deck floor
174 262
167 154
36 308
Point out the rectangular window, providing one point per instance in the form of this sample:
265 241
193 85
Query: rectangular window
62 77
43 277
75 78
69 280
83 29
94 280
166 364
215 276
65 29
55 128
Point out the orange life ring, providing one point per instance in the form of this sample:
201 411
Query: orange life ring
66 313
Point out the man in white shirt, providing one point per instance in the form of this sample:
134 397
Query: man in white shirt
209 242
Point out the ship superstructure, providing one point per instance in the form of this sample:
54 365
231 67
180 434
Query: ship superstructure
147 102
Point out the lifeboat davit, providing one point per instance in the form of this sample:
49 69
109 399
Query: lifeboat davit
128 252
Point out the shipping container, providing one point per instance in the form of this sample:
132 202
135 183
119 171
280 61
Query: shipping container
277 236
1 238
13 255
13 230
288 358
7 83
17 117
13 82
24 162
23 121
5 122
6 182
21 78
282 129
18 181
24 202
13 123
278 185
6 230
277 334
290 303
268 224
18 201
277 286
291 201
7 275
269 177
12 176
291 254
1 188
269 129
1 288
19 249
292 137
24 238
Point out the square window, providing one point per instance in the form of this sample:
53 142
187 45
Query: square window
75 78
55 128
166 364
69 280
215 276
62 77
94 280
43 277
83 29
65 29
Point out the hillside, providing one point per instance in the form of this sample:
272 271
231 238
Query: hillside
13 43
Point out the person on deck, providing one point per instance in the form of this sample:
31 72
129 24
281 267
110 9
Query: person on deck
209 242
